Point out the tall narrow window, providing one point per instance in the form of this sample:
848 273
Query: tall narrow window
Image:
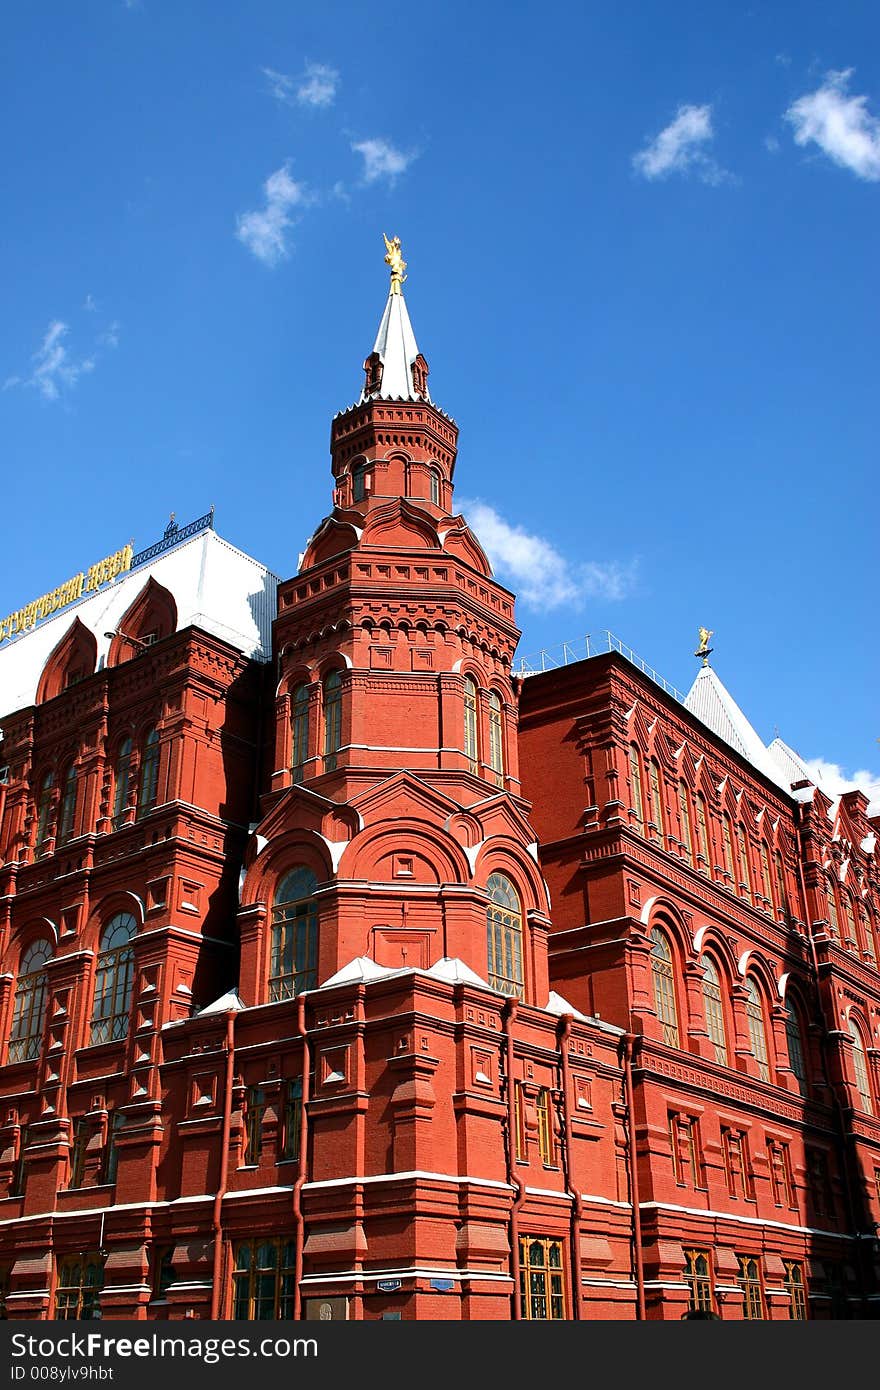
149 774
255 1110
749 1280
868 929
78 1291
542 1285
82 1133
67 813
833 922
18 1180
737 1168
111 1152
29 1009
291 1125
635 780
765 876
687 834
294 958
780 884
664 986
332 719
123 782
860 1067
727 836
850 939
714 1010
496 743
113 980
519 1121
44 807
263 1281
504 937
794 1038
299 728
819 1183
757 1028
545 1127
359 482
698 1277
470 726
780 1173
435 486
684 1143
656 801
794 1287
745 873
702 833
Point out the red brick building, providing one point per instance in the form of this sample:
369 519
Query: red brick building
347 973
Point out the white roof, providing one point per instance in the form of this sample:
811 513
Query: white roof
712 703
397 347
215 586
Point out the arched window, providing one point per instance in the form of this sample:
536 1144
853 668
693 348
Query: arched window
471 747
67 812
687 833
123 782
714 1010
435 486
332 719
868 927
29 1009
745 872
504 936
860 1067
635 781
833 921
727 836
656 801
293 967
44 806
757 1028
113 980
765 875
702 833
359 482
795 1041
149 774
496 743
664 986
299 728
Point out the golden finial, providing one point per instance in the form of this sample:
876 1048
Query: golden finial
394 258
704 649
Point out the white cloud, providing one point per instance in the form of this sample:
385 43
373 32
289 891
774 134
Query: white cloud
316 86
54 369
834 781
110 336
89 303
382 160
840 125
540 575
680 148
263 231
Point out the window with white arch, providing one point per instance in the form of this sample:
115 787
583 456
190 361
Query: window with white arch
471 747
860 1066
795 1040
663 981
504 936
299 729
496 740
114 977
713 1005
293 965
757 1028
29 1008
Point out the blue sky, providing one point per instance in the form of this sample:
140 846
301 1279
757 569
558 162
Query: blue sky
642 248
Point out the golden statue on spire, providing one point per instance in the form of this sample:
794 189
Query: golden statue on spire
703 648
394 258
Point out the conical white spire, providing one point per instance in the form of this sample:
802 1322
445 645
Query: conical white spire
397 349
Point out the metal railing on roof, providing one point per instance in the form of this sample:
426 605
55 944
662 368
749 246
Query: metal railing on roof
581 649
174 534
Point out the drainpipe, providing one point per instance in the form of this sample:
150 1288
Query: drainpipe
570 1186
628 1041
217 1222
508 1015
302 1166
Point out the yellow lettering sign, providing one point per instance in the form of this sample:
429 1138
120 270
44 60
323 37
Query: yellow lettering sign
68 592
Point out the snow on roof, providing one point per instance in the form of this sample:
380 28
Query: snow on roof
556 1004
453 970
397 347
216 587
359 970
230 1001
